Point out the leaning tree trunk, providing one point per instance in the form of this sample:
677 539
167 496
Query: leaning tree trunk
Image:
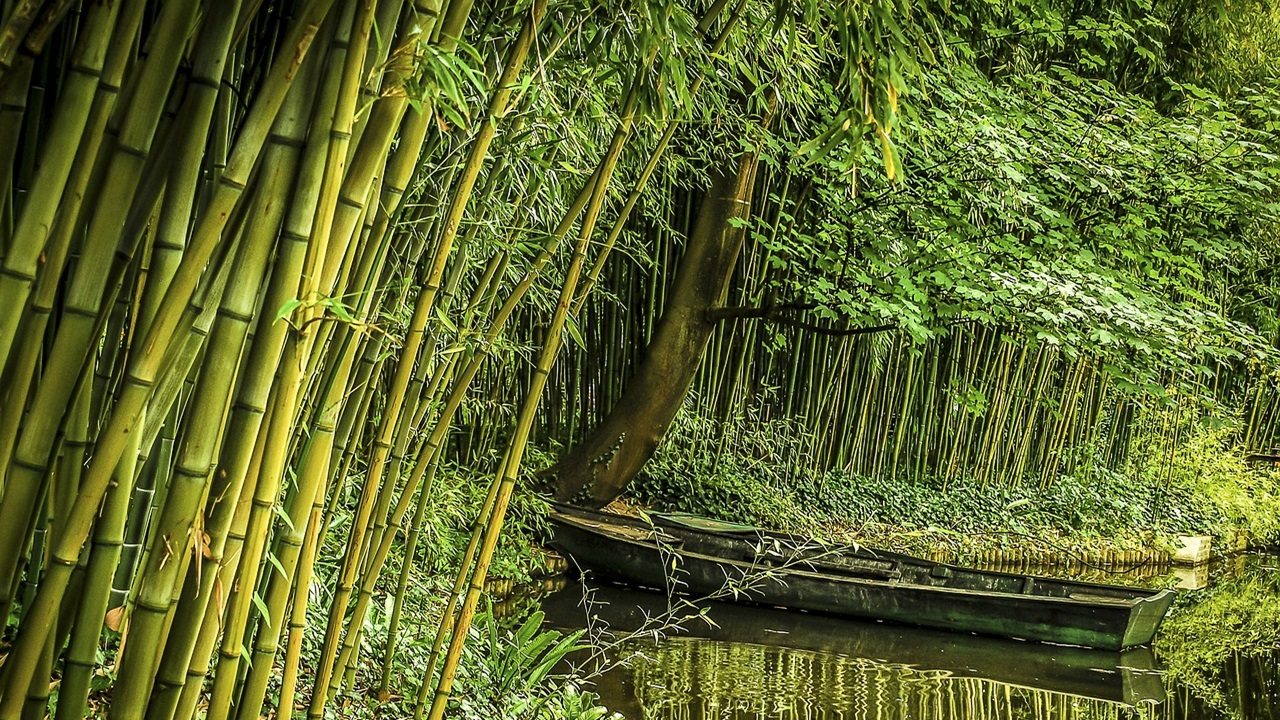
607 460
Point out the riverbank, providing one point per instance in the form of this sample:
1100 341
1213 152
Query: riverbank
1093 517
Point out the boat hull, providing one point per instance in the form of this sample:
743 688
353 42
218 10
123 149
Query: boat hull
632 557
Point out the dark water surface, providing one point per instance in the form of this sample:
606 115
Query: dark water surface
717 661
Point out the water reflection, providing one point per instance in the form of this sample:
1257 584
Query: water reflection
731 661
758 663
697 679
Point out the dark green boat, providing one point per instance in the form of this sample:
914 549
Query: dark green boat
702 557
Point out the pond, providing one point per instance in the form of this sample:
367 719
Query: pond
657 659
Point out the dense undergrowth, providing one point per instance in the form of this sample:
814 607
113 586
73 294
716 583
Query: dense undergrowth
1202 485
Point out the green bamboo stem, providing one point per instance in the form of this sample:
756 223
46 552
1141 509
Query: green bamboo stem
174 312
104 555
27 477
177 697
15 91
71 118
415 340
448 617
413 343
298 616
63 556
158 582
402 583
505 481
385 536
251 401
57 247
188 490
310 489
328 243
38 693
313 475
178 362
311 220
253 546
434 441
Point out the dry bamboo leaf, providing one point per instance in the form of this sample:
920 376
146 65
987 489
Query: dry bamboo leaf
115 616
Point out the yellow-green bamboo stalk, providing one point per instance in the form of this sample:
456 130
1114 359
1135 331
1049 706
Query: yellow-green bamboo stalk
402 583
311 483
22 374
71 117
194 466
413 342
313 476
442 423
158 582
309 220
250 404
27 473
298 616
447 616
15 88
505 481
43 608
177 697
174 312
81 659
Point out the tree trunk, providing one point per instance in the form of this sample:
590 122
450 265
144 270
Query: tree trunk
615 451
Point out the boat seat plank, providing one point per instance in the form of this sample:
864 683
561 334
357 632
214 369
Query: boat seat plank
1091 597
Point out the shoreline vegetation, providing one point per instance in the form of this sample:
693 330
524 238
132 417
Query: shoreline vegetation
1092 516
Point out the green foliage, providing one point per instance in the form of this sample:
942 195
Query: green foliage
510 673
746 477
1203 483
1201 486
1056 204
511 669
447 525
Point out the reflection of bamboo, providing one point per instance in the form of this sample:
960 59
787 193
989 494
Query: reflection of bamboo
685 679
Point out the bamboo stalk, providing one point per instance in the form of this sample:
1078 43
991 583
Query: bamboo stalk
414 340
174 311
27 476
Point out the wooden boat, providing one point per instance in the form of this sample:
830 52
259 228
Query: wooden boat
707 558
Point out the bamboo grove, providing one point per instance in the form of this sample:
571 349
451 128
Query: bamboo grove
275 274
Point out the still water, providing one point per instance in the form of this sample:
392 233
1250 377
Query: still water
657 659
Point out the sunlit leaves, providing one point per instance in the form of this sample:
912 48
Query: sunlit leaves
1060 205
